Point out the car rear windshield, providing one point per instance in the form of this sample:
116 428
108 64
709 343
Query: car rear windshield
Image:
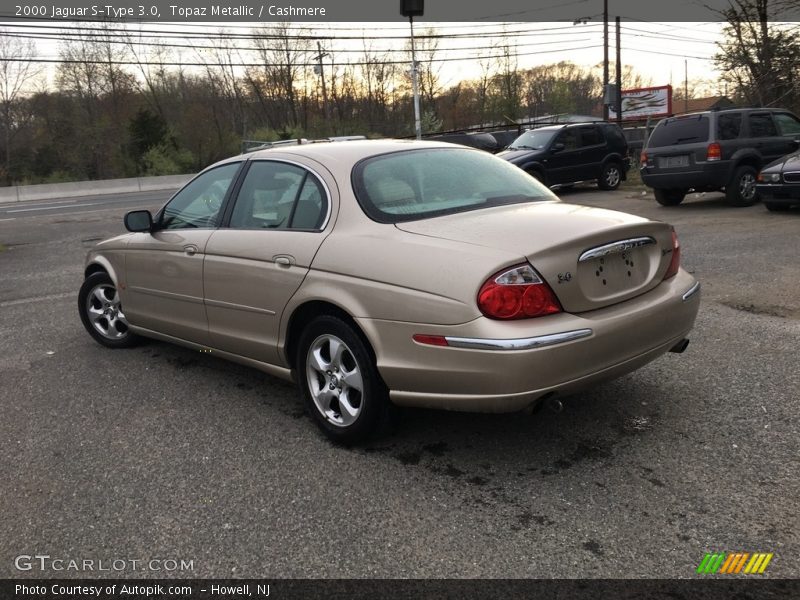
680 130
418 184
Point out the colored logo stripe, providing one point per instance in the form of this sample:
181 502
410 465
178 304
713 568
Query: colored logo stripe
733 562
758 563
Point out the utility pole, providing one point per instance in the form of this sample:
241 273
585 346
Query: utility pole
411 9
605 58
320 55
415 82
618 100
685 85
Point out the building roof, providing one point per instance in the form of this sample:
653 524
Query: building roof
700 104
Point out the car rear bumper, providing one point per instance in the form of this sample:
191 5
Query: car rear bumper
495 366
710 175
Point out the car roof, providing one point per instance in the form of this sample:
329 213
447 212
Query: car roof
733 109
568 125
349 151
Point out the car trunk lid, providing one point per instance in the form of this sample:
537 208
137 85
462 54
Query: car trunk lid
591 257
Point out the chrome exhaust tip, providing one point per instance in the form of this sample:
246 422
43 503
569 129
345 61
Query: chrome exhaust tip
680 346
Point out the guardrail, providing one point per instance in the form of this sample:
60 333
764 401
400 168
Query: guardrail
75 189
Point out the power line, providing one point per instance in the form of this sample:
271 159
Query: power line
273 33
143 42
283 65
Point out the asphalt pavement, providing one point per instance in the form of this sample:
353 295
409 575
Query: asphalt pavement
160 452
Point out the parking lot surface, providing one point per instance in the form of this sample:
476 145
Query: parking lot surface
166 453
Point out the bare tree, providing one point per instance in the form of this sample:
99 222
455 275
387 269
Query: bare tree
507 84
285 56
222 75
760 59
92 73
379 75
18 73
428 78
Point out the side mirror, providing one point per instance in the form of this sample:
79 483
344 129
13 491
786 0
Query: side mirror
795 144
557 147
139 221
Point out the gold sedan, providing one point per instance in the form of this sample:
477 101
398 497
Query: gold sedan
384 273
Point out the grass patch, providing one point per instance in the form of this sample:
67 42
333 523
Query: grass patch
634 182
3 248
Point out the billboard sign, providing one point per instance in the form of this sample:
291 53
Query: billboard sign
641 103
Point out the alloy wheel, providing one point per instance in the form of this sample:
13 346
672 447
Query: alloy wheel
105 312
334 380
747 186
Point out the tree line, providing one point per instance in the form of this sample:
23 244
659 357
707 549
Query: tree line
120 107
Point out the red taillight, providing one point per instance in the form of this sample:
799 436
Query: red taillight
517 293
429 340
643 158
714 151
675 261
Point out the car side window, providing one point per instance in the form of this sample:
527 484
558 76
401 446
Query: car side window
728 126
591 136
277 195
311 207
198 204
761 125
568 137
788 124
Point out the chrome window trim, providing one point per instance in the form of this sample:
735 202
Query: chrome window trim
530 343
691 291
616 247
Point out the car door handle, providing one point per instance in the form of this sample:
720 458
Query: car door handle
283 260
190 250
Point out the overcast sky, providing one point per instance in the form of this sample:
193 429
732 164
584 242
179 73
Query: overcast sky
659 51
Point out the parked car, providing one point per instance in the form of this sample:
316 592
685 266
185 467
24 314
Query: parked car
779 183
716 150
481 140
506 137
566 154
383 273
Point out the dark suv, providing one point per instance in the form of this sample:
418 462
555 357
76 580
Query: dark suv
566 154
716 150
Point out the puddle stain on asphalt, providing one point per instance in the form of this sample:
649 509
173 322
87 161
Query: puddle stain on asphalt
764 310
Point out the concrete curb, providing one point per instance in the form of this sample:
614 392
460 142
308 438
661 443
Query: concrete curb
76 189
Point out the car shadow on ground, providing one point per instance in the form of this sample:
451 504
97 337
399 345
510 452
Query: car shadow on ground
461 445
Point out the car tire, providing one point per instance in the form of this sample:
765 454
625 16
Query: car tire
741 191
101 312
610 176
773 207
669 197
339 382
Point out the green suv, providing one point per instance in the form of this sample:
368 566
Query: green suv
716 150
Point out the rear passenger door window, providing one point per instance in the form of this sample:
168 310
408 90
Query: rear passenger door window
788 124
761 125
770 145
591 136
278 195
594 152
729 126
